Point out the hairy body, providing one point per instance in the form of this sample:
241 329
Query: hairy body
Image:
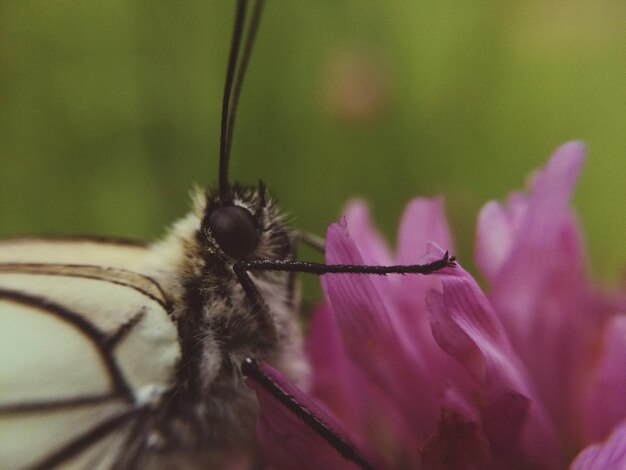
210 410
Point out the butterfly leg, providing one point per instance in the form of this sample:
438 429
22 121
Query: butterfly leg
243 267
252 369
242 270
309 239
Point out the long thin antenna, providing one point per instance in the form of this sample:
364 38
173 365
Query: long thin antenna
232 62
241 70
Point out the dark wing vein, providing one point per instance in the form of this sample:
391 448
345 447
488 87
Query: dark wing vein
138 282
89 437
58 404
95 239
97 337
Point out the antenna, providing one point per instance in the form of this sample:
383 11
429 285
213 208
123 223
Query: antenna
235 74
241 70
232 62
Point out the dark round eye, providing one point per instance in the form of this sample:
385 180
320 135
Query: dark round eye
235 230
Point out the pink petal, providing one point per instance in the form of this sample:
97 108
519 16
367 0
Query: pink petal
539 282
550 196
351 396
423 221
371 245
530 225
533 225
360 311
382 351
284 438
609 455
335 382
544 230
466 327
457 443
494 239
606 406
459 402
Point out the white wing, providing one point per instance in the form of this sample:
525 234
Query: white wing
97 251
83 351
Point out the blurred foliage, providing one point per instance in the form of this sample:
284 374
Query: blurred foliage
109 111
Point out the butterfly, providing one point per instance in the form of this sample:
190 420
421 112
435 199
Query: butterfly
118 354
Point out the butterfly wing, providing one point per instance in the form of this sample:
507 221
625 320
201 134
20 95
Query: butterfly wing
85 350
96 251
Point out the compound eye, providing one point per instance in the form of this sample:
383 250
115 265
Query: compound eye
235 230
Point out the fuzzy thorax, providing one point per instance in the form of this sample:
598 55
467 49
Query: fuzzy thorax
217 323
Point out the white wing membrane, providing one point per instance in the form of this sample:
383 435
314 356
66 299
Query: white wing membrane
32 437
103 455
79 344
91 251
111 302
36 349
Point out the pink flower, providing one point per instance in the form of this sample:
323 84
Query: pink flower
431 372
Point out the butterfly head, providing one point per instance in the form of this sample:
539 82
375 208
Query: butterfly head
247 226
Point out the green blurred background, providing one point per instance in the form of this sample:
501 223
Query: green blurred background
109 111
